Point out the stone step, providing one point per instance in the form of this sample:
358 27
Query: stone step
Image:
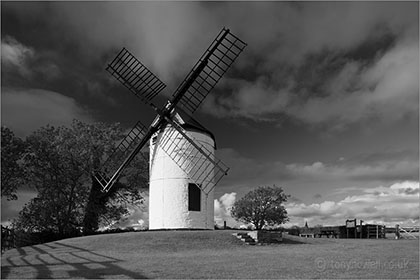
248 239
243 236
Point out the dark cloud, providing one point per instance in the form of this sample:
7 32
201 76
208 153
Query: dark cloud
327 65
409 191
294 199
392 165
317 196
298 58
26 110
15 61
387 167
247 173
375 158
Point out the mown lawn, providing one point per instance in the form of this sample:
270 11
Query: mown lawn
211 254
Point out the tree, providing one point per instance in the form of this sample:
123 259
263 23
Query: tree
110 206
262 206
12 171
42 214
59 163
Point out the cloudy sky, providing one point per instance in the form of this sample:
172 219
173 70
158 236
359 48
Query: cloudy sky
324 101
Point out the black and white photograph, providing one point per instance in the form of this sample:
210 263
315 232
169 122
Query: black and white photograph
210 139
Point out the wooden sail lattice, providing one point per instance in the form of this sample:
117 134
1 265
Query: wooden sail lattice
135 76
217 59
192 157
119 155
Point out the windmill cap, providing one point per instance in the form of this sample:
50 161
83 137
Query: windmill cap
191 124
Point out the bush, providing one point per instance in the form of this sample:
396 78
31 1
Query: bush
274 228
294 230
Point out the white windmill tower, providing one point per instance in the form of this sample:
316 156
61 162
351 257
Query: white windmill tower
175 200
183 168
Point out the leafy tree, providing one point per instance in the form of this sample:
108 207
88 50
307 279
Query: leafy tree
103 208
12 171
262 206
43 214
59 163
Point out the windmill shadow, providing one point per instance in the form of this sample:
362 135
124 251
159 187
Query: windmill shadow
59 260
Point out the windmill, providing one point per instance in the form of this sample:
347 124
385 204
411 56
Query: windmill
183 169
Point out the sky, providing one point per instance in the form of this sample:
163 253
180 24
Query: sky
323 101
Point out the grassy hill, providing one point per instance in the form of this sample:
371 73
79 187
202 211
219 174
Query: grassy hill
211 254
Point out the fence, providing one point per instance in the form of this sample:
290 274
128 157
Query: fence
373 231
14 239
368 231
409 232
8 239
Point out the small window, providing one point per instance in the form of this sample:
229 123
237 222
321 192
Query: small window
194 198
154 140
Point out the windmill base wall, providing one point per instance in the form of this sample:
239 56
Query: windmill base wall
168 207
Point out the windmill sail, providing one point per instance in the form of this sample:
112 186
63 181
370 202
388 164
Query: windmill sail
212 65
135 76
116 161
193 158
198 163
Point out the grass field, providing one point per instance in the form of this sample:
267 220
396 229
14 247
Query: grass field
211 254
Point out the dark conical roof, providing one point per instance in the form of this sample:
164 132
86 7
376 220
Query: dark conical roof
189 123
